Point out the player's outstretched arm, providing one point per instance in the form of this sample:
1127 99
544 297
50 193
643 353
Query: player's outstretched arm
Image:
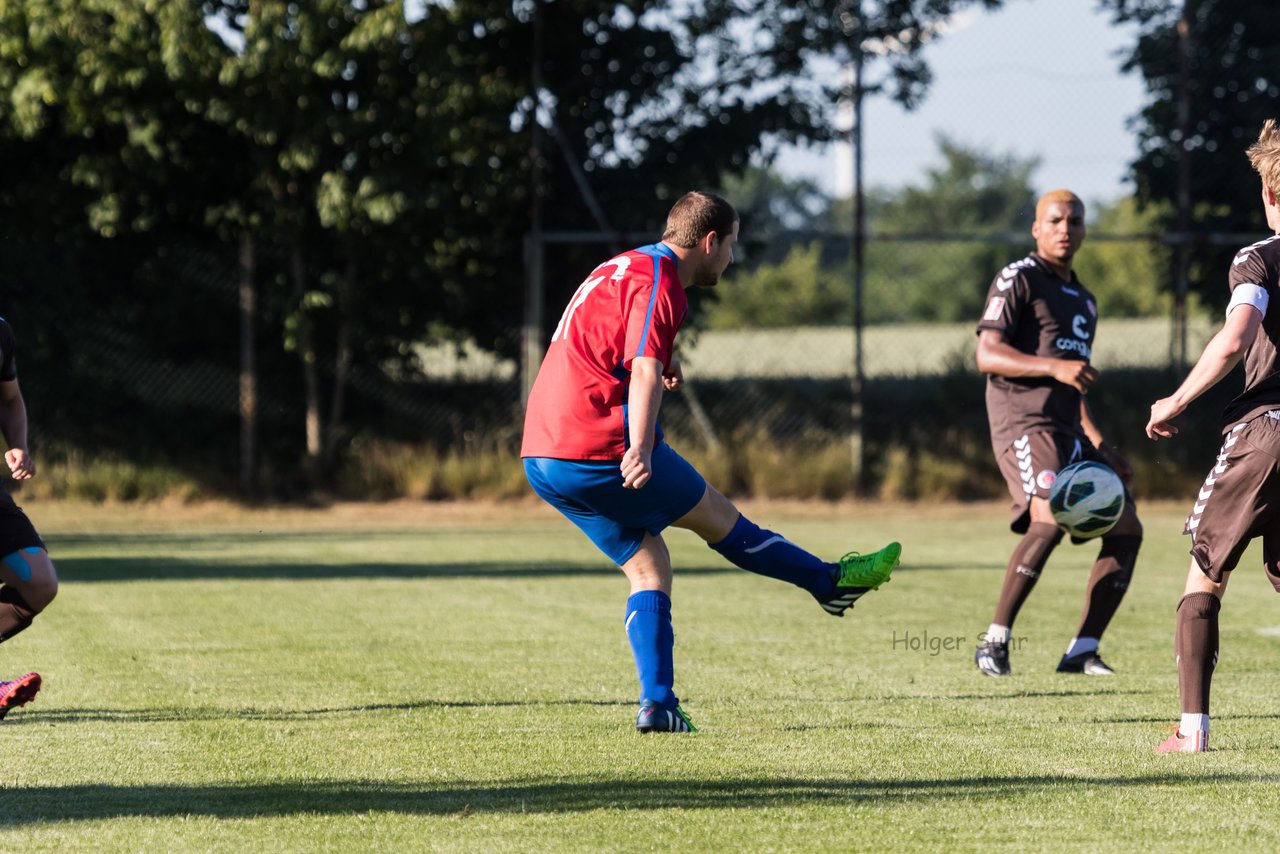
1220 355
643 400
13 423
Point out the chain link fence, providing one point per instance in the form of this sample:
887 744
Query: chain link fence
919 424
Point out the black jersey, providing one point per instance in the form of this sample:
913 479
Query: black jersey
1039 314
8 346
1259 265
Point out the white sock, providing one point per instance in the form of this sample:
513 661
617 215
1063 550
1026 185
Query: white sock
1079 645
1192 721
997 633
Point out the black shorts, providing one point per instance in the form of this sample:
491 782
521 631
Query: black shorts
16 530
1031 464
1240 500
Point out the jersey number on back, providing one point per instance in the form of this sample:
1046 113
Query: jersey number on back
620 265
579 297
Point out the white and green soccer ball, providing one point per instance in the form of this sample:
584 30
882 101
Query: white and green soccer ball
1086 499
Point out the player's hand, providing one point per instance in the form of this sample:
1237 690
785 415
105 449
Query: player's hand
1117 461
1163 411
673 376
1079 375
636 467
21 466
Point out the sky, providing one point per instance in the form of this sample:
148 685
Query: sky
1034 78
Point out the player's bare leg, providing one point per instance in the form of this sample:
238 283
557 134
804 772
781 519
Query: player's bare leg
28 583
1020 576
836 586
650 567
1196 647
1108 582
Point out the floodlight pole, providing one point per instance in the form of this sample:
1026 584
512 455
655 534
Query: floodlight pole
1182 253
531 355
857 446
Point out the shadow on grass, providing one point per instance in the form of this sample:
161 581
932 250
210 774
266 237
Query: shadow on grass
30 805
179 569
208 713
1019 695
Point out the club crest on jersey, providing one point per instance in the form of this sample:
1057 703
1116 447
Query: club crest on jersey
994 308
1093 309
1045 479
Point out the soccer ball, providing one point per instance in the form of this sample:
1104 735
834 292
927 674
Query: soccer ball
1087 499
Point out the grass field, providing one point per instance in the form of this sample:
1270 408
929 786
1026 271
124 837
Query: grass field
445 677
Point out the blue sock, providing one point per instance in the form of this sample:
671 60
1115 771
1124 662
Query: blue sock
652 641
766 553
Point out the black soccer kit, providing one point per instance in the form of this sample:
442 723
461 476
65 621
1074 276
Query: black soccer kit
1240 498
1035 421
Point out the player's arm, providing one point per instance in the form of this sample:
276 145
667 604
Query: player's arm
998 356
1221 354
13 423
643 400
1114 458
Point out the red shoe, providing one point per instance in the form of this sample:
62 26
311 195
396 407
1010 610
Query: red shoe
1197 742
19 692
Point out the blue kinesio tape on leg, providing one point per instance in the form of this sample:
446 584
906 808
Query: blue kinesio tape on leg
19 564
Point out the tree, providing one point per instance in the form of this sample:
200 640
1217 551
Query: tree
969 192
1130 279
1230 88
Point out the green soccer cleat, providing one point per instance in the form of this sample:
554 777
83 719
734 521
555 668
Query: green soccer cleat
859 574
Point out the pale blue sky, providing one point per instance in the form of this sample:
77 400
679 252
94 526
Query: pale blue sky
1037 77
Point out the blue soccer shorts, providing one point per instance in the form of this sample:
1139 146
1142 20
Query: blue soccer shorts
590 493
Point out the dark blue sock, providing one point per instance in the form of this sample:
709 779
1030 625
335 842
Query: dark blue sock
766 553
652 641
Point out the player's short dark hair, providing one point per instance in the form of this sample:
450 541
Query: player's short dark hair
1265 156
695 215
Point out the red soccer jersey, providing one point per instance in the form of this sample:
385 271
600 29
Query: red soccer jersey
629 306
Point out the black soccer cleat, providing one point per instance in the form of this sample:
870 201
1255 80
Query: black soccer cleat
1088 663
992 658
654 718
18 692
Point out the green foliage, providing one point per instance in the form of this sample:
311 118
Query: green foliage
784 38
76 476
969 192
1130 279
799 291
378 471
1231 90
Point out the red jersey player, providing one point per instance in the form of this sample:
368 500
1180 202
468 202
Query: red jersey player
593 450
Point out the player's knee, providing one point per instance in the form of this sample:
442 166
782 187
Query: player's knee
1120 545
39 580
1129 526
1049 532
1123 550
41 592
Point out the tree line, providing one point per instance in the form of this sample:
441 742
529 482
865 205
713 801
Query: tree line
283 197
